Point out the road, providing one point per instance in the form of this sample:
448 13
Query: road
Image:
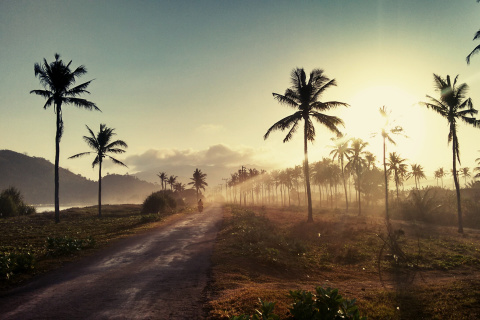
160 274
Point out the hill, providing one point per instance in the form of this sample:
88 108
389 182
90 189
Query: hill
34 177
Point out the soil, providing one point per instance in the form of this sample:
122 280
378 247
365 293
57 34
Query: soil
159 274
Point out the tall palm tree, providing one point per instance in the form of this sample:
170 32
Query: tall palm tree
397 166
356 164
163 178
417 173
198 180
102 144
477 48
342 151
171 181
439 174
58 81
453 106
388 130
303 96
465 172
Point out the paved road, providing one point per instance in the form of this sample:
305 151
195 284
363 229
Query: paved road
156 275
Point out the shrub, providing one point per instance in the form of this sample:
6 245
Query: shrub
11 203
15 262
158 202
66 245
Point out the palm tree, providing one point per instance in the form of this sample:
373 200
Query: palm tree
58 81
465 172
417 174
171 181
102 144
342 151
453 106
303 96
198 181
477 48
439 174
163 178
357 163
388 130
399 169
179 187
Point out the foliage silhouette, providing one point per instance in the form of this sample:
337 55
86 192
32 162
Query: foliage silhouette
57 80
453 106
198 180
303 96
102 145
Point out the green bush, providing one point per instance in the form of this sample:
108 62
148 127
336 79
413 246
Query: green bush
159 202
15 262
11 204
325 304
66 245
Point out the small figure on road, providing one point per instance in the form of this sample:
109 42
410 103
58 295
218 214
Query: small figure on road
200 205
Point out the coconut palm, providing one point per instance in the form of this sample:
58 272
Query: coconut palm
58 81
171 181
198 181
163 178
477 48
303 96
453 105
388 130
465 172
439 174
397 166
356 164
102 144
417 173
342 151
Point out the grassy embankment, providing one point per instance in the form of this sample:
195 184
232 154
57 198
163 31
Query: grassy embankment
267 252
80 232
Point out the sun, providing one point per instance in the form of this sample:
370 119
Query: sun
363 119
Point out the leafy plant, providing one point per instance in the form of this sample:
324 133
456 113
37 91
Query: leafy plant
11 203
66 245
265 312
326 304
158 202
15 262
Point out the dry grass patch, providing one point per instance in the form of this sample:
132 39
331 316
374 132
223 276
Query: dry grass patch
266 252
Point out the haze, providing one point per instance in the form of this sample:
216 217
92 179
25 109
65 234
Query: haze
191 82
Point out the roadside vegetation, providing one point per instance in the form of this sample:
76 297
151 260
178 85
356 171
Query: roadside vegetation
426 271
34 244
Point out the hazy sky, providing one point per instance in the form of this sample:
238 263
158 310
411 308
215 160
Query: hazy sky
191 82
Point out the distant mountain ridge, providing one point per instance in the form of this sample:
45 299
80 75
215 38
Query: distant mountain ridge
33 176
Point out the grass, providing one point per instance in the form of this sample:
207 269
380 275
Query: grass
79 226
266 252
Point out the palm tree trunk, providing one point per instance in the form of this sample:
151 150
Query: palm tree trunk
344 186
307 175
386 182
457 187
58 136
100 189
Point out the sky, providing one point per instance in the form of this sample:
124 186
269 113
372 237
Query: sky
190 83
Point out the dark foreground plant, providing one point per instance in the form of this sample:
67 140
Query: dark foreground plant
324 304
159 202
15 262
67 245
11 204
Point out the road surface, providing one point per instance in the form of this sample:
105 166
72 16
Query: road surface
160 274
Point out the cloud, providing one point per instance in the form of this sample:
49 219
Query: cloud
217 155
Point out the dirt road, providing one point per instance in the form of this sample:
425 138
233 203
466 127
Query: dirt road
156 275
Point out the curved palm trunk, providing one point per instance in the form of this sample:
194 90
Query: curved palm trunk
457 186
100 189
386 182
344 185
307 177
58 136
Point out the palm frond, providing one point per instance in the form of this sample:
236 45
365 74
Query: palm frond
323 87
78 90
284 123
285 100
331 122
81 103
475 50
117 143
322 106
79 155
117 161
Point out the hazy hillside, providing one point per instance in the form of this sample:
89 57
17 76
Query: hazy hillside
34 177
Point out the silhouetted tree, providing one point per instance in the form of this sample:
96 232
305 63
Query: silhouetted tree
58 82
163 178
439 174
453 106
465 172
357 163
198 180
342 151
417 173
303 96
171 181
399 169
477 48
102 144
